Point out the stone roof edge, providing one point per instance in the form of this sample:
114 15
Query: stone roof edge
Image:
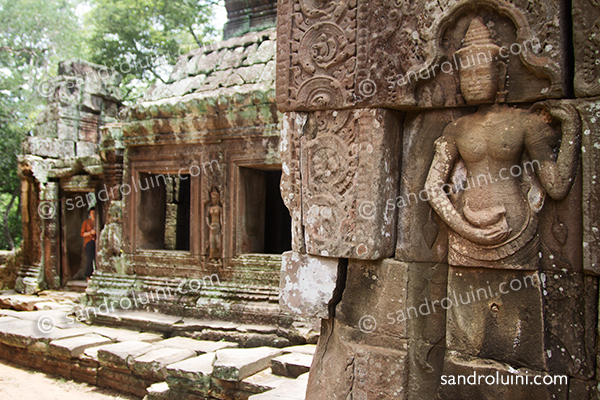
142 111
248 38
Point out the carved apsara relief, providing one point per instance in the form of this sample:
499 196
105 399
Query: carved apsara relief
494 223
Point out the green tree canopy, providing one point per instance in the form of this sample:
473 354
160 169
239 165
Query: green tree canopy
140 38
34 36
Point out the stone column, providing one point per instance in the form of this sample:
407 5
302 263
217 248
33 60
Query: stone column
51 236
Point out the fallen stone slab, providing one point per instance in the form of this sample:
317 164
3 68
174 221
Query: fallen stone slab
75 346
304 349
257 328
20 302
159 390
238 364
294 389
193 324
90 354
263 381
26 334
147 337
147 320
124 335
152 365
59 318
199 346
49 305
291 365
193 374
6 318
118 354
60 297
115 334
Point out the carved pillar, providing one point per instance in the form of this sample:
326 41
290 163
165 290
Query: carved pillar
110 241
51 235
111 153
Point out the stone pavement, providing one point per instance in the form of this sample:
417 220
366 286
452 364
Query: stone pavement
45 336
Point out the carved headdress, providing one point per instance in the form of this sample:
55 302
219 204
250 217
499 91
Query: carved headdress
481 53
478 42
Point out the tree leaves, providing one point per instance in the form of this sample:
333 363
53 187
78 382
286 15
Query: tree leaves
141 39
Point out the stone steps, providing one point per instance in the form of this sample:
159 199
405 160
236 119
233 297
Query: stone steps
245 334
30 279
199 298
76 286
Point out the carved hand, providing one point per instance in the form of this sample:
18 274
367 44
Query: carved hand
490 235
557 176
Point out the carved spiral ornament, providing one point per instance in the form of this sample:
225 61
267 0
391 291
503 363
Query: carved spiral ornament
320 93
322 46
322 8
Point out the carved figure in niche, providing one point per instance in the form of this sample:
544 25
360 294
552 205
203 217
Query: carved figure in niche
494 153
110 243
214 220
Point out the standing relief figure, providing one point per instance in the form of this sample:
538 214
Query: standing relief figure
214 220
493 218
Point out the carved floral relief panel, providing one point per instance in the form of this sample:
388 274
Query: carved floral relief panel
339 168
586 40
400 54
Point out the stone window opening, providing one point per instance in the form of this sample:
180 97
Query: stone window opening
163 212
266 222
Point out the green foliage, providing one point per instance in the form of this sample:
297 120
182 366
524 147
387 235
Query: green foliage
13 224
34 36
140 38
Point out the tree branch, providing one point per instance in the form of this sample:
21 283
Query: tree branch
194 36
156 75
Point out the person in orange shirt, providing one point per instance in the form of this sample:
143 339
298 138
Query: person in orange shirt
88 232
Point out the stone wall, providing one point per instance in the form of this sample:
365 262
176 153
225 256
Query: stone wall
395 113
199 192
10 261
62 157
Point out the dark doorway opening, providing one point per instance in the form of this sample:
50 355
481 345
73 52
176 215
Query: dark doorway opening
278 223
163 214
75 211
266 222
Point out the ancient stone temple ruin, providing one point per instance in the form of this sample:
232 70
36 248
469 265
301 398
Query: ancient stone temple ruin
439 162
61 170
200 190
417 176
186 183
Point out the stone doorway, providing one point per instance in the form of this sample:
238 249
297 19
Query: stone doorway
266 220
74 210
